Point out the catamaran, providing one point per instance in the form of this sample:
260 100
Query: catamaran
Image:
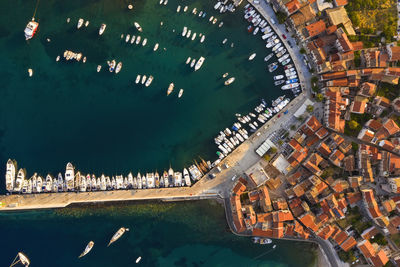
117 235
199 63
138 27
10 175
87 249
170 88
31 29
102 28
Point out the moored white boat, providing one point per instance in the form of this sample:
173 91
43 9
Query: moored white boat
155 47
192 63
30 29
229 81
252 56
199 63
170 88
117 235
102 28
149 80
127 38
80 23
188 60
138 39
143 79
144 42
98 68
180 93
137 78
88 248
10 174
119 67
138 27
184 31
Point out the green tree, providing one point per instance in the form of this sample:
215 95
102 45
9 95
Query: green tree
310 108
281 17
353 124
273 150
319 97
302 50
267 157
314 79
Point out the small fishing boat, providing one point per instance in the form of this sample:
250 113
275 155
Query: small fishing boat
194 36
138 27
144 79
185 8
31 29
30 72
225 75
214 21
192 63
87 249
133 39
180 93
117 235
102 28
220 24
137 79
118 68
149 80
144 42
155 47
170 88
178 9
112 65
138 39
252 56
84 60
188 33
138 259
80 23
224 41
202 38
188 60
127 38
184 31
229 81
165 2
86 23
58 58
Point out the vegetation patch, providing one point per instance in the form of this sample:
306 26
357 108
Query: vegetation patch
374 16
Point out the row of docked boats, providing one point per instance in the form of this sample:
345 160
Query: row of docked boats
223 6
230 138
259 24
144 80
78 182
134 39
187 33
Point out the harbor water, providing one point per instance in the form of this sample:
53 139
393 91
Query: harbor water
171 234
104 122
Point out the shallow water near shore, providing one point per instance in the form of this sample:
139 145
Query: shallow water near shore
163 234
104 122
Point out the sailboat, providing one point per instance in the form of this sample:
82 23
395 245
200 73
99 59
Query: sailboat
87 249
117 235
22 258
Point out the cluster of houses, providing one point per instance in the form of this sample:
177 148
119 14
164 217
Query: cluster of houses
319 180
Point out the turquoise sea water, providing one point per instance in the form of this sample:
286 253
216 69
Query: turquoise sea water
173 234
104 122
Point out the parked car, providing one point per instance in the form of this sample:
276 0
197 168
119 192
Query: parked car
284 36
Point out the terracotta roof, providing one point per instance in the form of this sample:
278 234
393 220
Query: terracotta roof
380 258
282 216
305 14
324 149
312 124
349 163
294 178
366 248
264 217
391 126
373 124
326 232
239 188
340 236
358 107
353 197
322 132
369 233
341 2
366 135
395 51
357 45
315 28
336 157
348 244
292 6
309 221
